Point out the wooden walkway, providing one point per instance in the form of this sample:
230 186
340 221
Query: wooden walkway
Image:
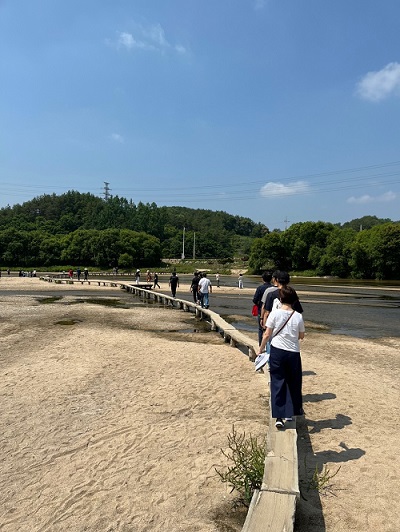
273 506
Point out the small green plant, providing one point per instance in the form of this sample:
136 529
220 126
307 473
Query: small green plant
321 480
246 473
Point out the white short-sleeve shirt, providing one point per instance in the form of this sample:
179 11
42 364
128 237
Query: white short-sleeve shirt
288 338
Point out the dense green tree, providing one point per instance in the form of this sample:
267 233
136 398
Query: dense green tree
337 255
306 242
376 253
269 252
366 222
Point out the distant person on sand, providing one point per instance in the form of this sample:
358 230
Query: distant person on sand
71 273
240 280
156 280
85 274
205 289
137 276
217 279
173 283
285 327
78 273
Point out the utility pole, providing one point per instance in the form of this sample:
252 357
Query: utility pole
286 222
194 245
106 192
183 243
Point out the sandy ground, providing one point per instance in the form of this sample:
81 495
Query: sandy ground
113 419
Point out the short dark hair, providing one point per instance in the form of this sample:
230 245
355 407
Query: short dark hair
288 295
283 278
266 277
275 274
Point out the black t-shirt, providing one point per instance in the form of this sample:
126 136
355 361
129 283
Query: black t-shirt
275 295
195 282
174 280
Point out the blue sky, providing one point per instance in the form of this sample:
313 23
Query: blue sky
282 111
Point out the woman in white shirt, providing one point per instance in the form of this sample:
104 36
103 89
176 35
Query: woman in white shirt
285 327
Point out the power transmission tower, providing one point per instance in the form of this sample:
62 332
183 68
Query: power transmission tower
106 192
286 222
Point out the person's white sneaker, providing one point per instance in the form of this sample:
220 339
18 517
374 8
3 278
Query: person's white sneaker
279 424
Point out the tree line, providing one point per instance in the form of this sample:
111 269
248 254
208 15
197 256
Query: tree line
366 248
80 228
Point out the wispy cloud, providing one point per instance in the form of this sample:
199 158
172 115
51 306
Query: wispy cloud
151 38
279 189
366 198
376 86
127 41
116 137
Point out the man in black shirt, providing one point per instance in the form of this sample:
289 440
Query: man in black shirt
194 286
173 283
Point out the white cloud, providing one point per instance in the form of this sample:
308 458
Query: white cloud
376 86
366 198
152 39
126 40
278 189
157 35
116 137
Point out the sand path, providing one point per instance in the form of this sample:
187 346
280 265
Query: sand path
115 423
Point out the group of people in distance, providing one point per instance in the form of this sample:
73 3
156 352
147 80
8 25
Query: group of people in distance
201 288
150 278
280 327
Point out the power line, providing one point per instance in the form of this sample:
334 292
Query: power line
234 191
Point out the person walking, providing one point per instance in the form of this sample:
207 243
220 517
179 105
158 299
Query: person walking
257 300
78 273
155 281
217 279
285 327
205 289
85 274
194 287
240 280
173 283
272 300
137 276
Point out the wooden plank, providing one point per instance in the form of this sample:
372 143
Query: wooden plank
281 464
272 512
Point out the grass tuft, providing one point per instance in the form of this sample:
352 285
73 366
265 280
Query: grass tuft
247 455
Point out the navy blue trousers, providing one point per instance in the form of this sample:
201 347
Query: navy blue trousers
286 380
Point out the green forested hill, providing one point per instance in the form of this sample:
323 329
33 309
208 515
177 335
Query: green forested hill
40 230
83 229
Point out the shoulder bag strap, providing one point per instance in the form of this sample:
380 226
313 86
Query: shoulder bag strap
284 325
